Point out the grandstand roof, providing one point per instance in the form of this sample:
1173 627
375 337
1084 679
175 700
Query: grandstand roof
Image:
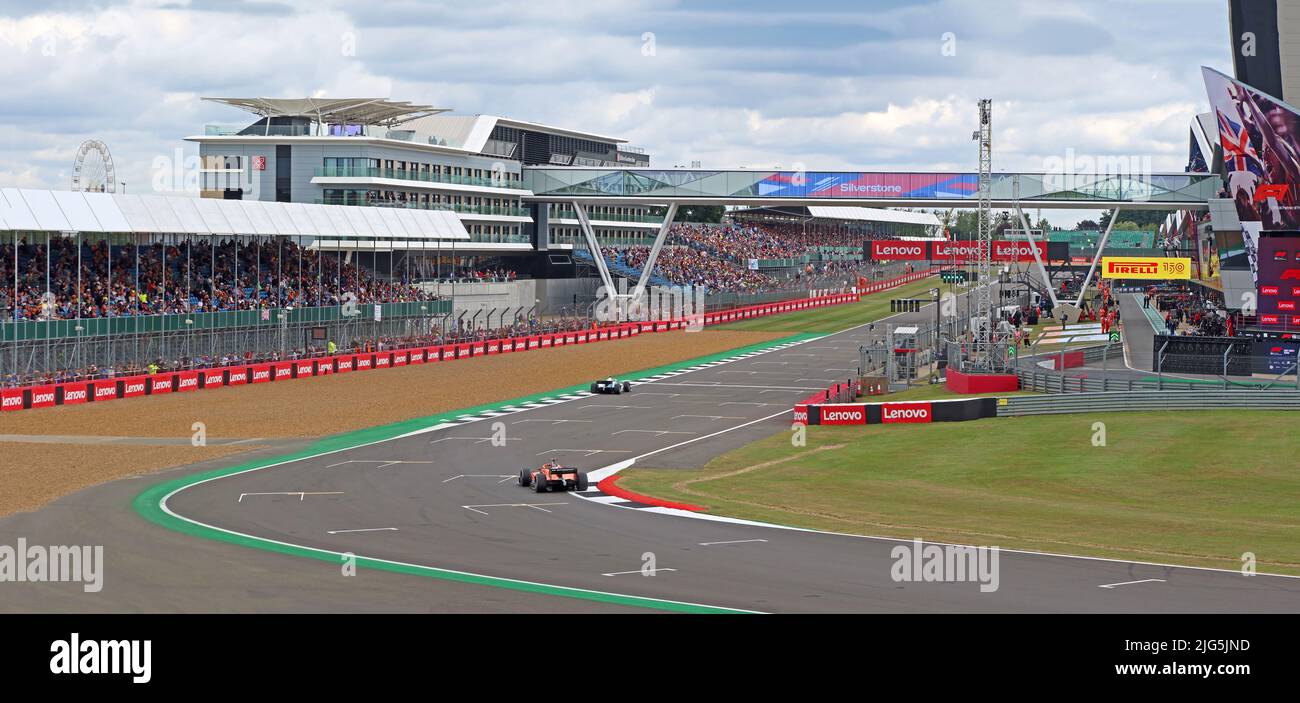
871 214
854 213
23 209
364 111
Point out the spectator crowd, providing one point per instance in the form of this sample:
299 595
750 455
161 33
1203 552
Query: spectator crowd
181 278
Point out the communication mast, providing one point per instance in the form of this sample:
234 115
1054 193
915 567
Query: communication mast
983 291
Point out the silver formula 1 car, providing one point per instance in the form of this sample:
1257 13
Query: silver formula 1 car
611 385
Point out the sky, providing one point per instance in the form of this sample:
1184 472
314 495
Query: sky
849 85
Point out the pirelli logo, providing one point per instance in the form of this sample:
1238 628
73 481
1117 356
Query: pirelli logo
1146 267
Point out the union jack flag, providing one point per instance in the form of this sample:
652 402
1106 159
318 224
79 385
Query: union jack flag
1238 152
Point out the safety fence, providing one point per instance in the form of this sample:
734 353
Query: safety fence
1129 401
238 374
1034 377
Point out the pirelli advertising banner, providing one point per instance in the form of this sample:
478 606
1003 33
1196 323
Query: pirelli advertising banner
1146 268
897 413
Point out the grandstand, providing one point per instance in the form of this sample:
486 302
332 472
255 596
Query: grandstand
1088 239
104 284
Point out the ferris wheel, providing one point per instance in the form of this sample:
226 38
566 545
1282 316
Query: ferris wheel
92 170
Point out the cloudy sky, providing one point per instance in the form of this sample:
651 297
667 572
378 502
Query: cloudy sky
858 84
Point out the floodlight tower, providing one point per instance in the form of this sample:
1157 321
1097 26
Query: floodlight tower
983 292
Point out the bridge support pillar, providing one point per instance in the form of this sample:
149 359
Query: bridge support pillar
660 238
1101 246
594 245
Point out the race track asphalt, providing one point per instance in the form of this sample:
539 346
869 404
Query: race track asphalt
447 498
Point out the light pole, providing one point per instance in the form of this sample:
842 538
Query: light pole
934 335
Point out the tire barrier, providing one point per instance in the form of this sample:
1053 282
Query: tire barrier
103 390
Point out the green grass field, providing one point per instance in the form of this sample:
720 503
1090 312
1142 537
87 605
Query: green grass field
1166 487
837 317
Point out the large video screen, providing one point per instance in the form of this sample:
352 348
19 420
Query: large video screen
1279 279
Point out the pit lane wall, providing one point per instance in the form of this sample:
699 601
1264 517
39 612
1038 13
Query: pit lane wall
103 390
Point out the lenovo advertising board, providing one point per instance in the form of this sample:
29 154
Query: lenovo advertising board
1279 279
843 414
893 250
906 412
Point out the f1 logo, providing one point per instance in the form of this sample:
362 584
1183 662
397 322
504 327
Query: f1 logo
1274 190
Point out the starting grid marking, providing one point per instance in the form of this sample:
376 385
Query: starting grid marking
567 397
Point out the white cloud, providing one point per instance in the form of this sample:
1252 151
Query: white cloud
833 85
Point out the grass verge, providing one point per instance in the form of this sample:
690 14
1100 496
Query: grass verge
834 318
1166 487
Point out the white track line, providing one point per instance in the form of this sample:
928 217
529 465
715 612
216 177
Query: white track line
647 572
1128 583
366 529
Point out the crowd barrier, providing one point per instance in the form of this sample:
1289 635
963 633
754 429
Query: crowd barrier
98 391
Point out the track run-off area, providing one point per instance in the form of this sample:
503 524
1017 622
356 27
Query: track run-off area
438 498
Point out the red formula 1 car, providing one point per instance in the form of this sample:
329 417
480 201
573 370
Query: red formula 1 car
553 476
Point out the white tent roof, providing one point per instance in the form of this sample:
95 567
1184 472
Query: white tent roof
69 211
871 214
380 111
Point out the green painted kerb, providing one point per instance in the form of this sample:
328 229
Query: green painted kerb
149 503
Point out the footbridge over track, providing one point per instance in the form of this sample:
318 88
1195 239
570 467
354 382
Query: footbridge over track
644 186
583 186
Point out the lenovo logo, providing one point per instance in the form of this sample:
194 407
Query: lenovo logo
12 402
843 415
898 251
133 388
910 412
74 396
1268 290
188 383
106 391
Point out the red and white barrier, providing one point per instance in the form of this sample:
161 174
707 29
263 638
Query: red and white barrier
98 391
